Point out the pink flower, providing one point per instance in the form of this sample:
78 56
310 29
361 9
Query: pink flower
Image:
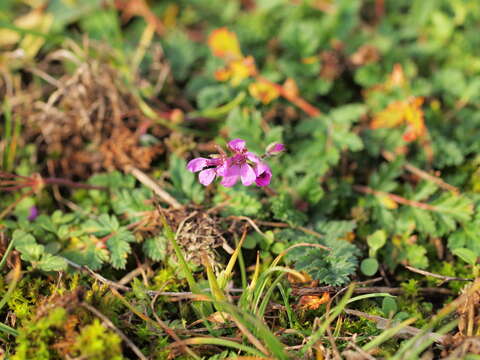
264 174
239 165
208 168
275 148
242 165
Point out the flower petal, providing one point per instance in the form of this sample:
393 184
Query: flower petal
197 164
237 145
206 176
233 170
275 148
229 181
253 158
247 175
264 174
261 168
223 167
264 179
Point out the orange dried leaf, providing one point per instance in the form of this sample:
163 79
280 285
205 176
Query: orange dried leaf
223 74
313 302
397 77
290 88
263 91
407 112
224 44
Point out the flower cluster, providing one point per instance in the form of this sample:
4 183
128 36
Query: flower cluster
241 165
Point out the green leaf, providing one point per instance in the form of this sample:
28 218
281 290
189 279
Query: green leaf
416 256
50 262
185 182
27 246
330 267
156 247
369 266
131 202
466 255
389 306
466 237
284 210
119 248
376 241
212 96
102 226
240 201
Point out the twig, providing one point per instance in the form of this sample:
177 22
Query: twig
396 198
150 183
422 174
251 222
276 224
108 323
295 99
438 276
297 291
407 331
97 276
365 355
132 274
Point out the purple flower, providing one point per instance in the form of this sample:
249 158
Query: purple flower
238 166
33 213
264 174
275 148
209 168
243 165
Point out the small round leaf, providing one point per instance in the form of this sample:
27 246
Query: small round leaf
389 306
369 266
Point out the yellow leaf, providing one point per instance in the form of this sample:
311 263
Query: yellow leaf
241 69
408 112
224 43
387 202
415 120
223 74
392 116
263 91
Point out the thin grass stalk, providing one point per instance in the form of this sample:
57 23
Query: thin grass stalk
268 294
14 142
5 255
253 323
7 135
444 312
387 334
243 272
16 276
263 283
414 351
8 330
337 310
286 303
183 263
222 342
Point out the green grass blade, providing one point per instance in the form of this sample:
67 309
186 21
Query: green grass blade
387 334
